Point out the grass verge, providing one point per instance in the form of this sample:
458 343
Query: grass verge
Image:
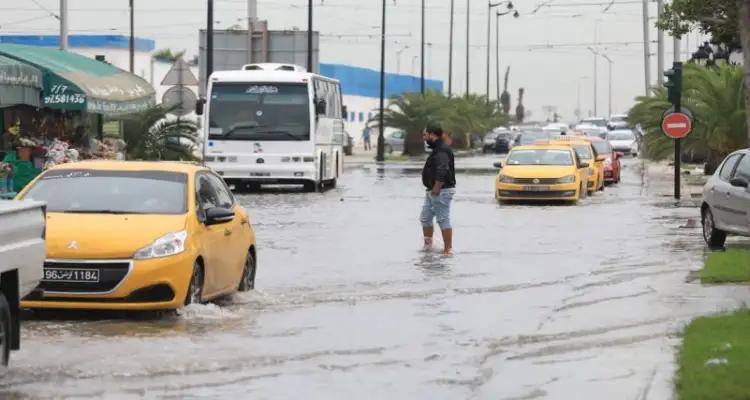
714 361
730 266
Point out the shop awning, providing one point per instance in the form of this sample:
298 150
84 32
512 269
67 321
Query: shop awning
20 83
75 82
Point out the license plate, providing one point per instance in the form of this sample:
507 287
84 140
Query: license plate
260 174
71 275
536 188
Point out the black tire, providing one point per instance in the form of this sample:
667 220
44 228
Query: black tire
248 274
310 187
332 184
5 331
195 287
713 237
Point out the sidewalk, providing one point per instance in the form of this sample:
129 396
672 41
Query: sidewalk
658 180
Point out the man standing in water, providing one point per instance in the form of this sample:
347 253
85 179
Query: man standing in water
439 179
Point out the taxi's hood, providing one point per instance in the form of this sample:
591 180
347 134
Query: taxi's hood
538 171
105 236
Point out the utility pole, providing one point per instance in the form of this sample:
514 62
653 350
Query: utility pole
490 6
609 60
468 48
596 78
132 38
380 157
676 49
497 54
421 57
450 53
63 24
310 35
646 48
209 40
659 43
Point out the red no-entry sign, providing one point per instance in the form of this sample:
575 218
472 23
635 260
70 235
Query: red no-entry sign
676 125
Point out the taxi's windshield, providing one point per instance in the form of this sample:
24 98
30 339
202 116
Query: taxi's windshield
111 192
540 157
583 151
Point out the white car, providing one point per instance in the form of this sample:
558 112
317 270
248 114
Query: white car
592 130
596 121
624 141
726 200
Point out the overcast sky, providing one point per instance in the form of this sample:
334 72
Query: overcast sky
546 47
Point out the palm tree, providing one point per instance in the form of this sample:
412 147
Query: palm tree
411 112
716 99
154 135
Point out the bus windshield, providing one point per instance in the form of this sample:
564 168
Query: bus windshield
259 112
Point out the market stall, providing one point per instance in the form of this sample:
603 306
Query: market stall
66 124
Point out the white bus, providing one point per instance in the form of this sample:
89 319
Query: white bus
273 124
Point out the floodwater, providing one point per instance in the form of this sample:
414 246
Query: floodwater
538 302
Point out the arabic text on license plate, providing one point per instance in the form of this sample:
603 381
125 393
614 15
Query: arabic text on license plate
536 188
71 275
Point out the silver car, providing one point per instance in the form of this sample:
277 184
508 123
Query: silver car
394 141
726 200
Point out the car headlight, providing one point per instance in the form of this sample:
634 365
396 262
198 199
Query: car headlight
505 179
567 179
168 245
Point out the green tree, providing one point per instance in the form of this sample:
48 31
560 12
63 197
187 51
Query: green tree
715 97
167 55
728 23
153 135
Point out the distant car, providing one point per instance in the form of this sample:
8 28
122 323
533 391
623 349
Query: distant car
527 137
394 141
726 200
504 141
624 141
488 144
592 130
348 144
612 166
596 121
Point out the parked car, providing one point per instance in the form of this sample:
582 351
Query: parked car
394 141
596 121
140 236
348 144
725 207
592 130
488 143
504 141
21 259
624 141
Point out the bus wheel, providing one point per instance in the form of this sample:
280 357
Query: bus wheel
332 183
252 187
310 187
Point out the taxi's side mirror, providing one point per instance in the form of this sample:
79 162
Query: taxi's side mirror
199 106
498 165
583 165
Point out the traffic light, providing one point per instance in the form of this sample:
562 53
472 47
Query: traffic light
674 84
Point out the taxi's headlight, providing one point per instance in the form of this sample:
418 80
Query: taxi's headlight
567 179
505 179
168 245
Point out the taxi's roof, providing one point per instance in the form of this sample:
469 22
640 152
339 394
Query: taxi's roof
112 165
542 146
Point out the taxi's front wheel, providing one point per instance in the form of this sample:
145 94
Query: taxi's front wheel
248 274
195 289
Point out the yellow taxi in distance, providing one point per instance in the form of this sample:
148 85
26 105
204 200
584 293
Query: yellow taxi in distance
587 153
127 235
542 172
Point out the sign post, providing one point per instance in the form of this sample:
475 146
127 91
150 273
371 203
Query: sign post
677 124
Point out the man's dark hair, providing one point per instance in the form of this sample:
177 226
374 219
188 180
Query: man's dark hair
434 128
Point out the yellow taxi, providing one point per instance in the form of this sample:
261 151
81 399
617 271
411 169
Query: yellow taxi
542 172
587 153
140 236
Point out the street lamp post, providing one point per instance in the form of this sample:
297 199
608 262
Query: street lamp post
497 47
310 35
131 45
609 60
421 79
468 47
450 53
490 6
380 157
210 41
596 54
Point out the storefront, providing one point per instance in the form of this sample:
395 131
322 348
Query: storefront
62 122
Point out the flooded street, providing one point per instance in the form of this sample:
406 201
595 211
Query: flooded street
539 302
